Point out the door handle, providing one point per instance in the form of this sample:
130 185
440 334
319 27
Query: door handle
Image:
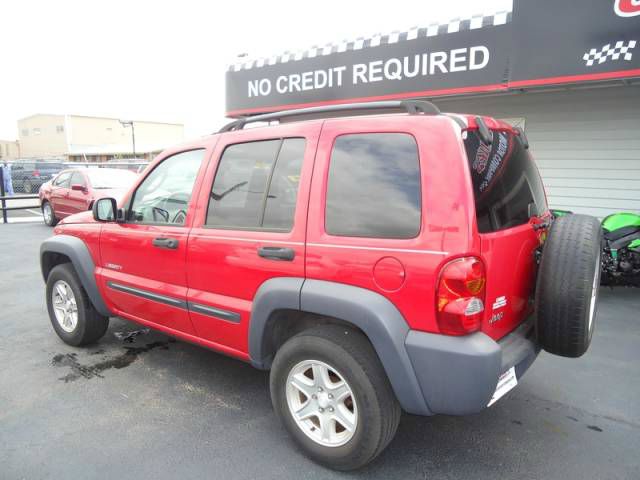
161 242
277 253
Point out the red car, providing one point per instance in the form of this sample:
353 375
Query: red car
374 262
75 190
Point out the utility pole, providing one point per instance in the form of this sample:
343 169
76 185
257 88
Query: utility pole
126 123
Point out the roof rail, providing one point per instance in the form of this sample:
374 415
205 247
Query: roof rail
412 107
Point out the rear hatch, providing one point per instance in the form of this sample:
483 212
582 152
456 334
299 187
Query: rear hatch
509 201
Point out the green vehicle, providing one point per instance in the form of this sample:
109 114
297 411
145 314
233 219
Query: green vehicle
621 249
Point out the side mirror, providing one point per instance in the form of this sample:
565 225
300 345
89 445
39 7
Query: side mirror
79 188
105 210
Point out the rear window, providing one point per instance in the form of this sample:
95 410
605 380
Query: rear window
506 183
374 186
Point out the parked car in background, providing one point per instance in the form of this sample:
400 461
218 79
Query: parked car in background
27 177
75 190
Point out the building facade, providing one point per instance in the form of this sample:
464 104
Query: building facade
9 150
93 139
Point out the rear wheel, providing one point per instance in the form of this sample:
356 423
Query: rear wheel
72 314
567 285
48 214
333 396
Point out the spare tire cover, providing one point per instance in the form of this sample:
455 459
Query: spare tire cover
567 285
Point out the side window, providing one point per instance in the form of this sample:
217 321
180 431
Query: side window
62 180
77 179
374 186
164 195
256 185
283 191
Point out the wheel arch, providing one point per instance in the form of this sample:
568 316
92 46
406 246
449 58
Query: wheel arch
293 304
67 249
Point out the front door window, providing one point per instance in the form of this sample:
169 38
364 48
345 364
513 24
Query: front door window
163 197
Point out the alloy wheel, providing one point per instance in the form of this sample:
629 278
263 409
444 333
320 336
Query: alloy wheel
47 213
322 403
64 306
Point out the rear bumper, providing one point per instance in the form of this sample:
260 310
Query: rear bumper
458 375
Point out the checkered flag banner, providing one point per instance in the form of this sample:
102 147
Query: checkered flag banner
471 22
620 49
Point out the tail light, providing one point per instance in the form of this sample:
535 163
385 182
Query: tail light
36 173
460 296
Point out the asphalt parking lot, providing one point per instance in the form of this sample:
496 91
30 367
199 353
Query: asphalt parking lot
157 408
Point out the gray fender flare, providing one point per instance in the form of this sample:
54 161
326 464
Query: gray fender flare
273 295
372 313
78 253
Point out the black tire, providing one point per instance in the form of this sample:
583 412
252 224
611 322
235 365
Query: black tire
91 326
568 279
350 353
53 221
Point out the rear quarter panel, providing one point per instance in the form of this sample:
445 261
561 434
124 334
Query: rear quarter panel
447 223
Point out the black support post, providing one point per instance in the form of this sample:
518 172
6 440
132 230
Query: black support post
3 201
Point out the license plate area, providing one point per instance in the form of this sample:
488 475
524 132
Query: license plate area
506 382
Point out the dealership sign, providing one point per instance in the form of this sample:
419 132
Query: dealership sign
541 42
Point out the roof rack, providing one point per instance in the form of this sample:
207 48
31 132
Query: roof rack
413 107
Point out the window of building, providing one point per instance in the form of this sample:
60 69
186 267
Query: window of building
37 131
164 195
256 185
25 132
59 128
374 186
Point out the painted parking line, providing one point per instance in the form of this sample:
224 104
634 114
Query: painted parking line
24 219
35 212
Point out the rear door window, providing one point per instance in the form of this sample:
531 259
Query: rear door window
507 187
256 185
374 186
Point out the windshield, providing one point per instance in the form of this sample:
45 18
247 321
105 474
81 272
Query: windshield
506 183
102 178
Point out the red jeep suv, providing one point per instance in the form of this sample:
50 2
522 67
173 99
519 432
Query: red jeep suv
374 257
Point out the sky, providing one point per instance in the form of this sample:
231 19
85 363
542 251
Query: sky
166 61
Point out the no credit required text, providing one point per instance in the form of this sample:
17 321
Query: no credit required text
425 64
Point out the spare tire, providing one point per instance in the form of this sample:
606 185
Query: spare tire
567 285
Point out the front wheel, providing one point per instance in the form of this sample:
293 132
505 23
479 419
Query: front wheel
72 314
333 396
48 215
